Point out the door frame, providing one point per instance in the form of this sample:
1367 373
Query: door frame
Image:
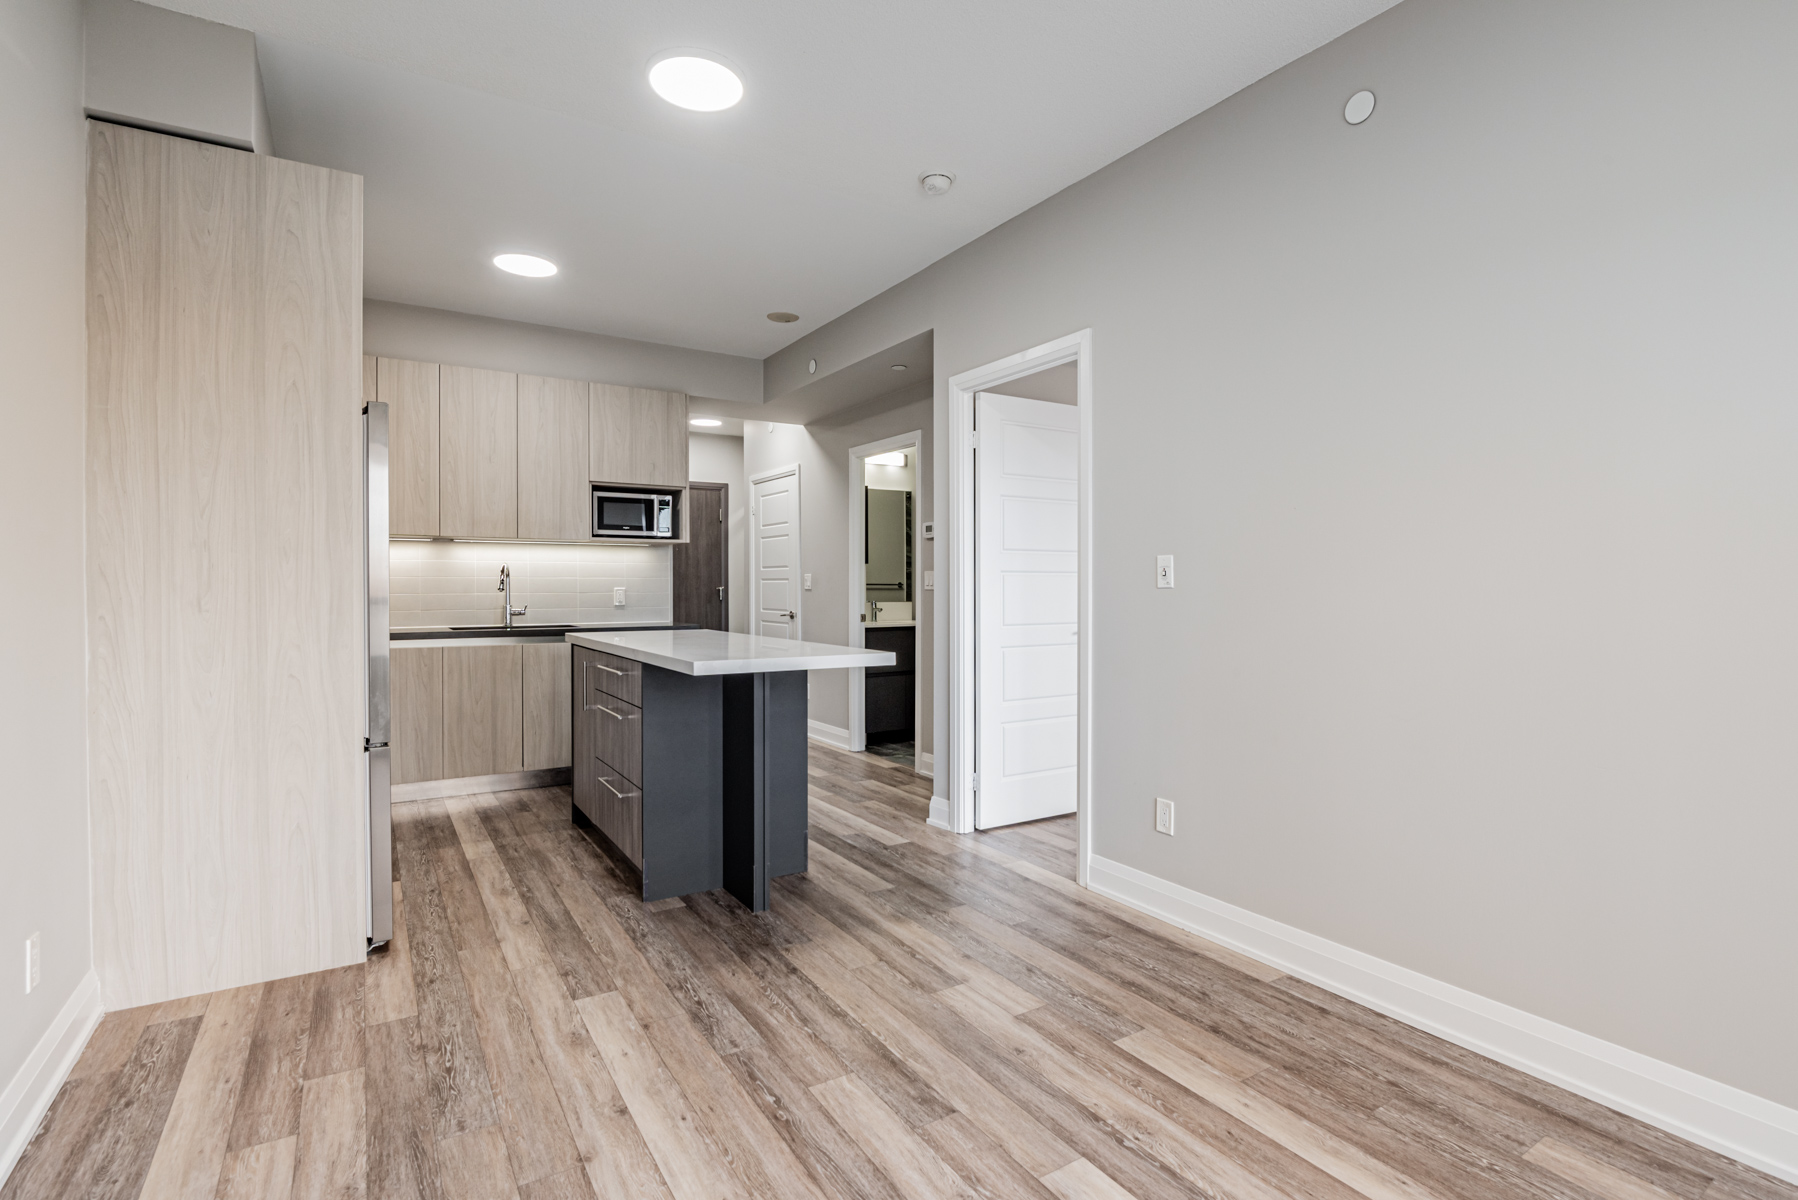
1076 348
858 576
755 549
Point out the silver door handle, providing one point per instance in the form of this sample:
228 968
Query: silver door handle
721 591
613 670
602 708
611 789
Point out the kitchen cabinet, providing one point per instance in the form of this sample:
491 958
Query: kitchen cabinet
483 729
410 390
416 680
546 706
478 453
553 452
637 436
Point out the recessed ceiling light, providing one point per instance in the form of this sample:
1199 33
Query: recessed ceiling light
700 84
704 422
936 182
1359 108
525 264
898 366
780 318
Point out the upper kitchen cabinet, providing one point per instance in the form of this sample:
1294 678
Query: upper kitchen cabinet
410 390
478 451
552 459
639 435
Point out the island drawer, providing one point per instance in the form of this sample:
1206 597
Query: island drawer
620 811
615 676
618 734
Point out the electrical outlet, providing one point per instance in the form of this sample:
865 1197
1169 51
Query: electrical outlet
31 963
808 583
1164 816
1164 571
617 597
930 581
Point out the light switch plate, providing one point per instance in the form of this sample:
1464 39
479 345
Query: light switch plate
617 597
930 581
32 970
1164 816
930 531
808 582
1164 570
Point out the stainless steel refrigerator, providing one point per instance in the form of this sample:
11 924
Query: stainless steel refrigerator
379 717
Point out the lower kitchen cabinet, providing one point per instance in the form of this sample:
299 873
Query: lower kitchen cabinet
417 706
546 708
483 725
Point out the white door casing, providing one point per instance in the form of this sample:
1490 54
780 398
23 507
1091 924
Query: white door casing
774 543
1027 598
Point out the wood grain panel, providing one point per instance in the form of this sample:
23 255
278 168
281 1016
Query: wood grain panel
553 449
702 561
548 727
483 731
223 560
411 391
371 377
417 705
478 453
639 436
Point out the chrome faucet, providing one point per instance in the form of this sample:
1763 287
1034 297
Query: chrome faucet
874 607
505 585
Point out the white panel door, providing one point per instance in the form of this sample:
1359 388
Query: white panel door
776 525
1027 569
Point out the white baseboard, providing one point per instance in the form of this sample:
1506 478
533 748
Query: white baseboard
27 1096
939 812
926 764
1743 1126
830 735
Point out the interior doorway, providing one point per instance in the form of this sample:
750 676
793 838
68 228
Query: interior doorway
885 593
774 552
1019 525
702 562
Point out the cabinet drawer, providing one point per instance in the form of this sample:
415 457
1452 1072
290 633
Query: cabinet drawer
620 805
617 734
620 677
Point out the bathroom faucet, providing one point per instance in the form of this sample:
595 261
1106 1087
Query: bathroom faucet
505 585
874 607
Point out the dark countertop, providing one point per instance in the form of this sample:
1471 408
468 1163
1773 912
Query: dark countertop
490 631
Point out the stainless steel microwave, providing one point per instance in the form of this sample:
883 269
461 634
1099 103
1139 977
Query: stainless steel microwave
618 513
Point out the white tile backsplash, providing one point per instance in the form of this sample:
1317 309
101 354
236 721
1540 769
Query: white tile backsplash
457 583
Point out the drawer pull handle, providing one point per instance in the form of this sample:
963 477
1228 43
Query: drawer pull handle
613 670
602 708
611 789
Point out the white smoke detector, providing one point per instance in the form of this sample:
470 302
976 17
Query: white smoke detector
936 183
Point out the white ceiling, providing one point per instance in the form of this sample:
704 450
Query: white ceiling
528 125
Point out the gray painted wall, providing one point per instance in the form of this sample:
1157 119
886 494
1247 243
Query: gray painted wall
436 335
1473 431
822 452
43 398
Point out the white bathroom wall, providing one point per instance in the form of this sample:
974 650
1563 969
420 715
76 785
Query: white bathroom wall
457 583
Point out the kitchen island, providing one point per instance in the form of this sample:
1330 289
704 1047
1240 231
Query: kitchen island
690 753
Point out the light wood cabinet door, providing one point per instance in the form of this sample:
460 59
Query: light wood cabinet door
417 735
552 459
410 391
483 732
548 705
371 374
478 452
639 435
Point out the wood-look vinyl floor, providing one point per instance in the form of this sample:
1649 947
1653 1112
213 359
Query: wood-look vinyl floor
920 1015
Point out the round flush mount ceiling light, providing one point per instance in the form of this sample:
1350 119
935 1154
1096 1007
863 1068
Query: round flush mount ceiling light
811 366
525 264
898 366
935 183
686 80
1358 108
783 318
704 422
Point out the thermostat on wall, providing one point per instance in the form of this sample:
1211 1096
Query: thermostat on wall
930 530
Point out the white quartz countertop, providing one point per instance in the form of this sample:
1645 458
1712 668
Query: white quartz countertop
711 652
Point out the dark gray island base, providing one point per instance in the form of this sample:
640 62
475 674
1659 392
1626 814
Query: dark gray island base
698 780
